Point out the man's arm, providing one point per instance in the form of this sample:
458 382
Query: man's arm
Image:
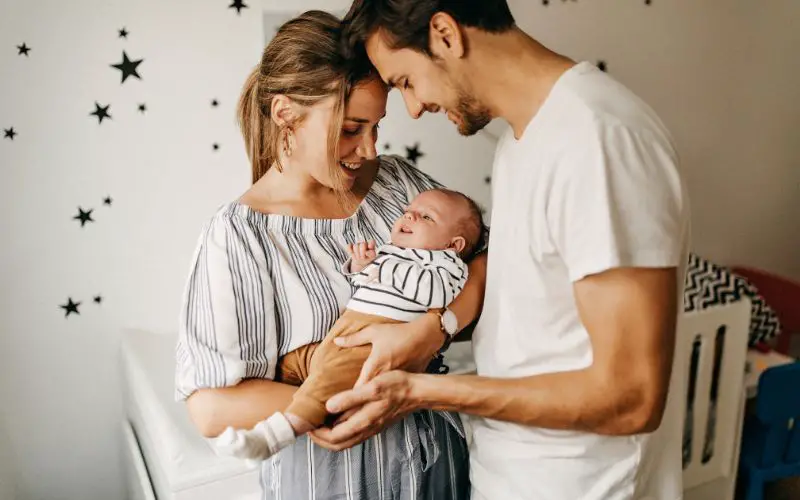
630 315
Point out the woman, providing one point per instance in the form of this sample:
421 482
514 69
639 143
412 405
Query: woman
265 279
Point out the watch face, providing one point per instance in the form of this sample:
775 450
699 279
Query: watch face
450 322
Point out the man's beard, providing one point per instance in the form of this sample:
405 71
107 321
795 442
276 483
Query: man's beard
472 115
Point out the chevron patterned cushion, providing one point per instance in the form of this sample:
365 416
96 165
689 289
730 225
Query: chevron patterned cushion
708 284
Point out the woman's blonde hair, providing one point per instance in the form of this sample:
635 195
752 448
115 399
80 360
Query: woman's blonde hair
303 62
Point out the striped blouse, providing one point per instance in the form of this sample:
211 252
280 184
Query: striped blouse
262 285
402 283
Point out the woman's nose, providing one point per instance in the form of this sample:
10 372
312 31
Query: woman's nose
366 148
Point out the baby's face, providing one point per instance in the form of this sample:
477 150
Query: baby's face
430 221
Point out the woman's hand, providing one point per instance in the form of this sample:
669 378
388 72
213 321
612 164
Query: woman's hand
403 346
368 409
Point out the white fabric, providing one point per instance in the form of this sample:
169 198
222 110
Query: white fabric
402 283
178 458
592 184
259 443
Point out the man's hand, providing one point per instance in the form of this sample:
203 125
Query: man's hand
368 409
361 255
403 346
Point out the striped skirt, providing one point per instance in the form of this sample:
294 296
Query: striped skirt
421 457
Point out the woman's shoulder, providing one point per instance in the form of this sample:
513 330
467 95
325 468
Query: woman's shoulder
396 172
229 219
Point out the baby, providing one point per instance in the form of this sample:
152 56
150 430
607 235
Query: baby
421 269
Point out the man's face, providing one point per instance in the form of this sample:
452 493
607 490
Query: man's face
427 85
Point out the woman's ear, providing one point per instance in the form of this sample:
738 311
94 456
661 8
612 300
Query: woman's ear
458 244
282 111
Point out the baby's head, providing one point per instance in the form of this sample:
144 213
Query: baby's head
440 219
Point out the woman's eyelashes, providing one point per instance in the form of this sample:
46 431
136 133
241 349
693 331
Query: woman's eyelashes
356 131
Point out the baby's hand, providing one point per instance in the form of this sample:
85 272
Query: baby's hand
361 255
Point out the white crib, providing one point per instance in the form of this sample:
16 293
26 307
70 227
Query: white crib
712 345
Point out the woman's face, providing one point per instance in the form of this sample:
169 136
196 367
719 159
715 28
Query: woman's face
365 108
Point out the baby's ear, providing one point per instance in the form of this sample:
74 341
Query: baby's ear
458 244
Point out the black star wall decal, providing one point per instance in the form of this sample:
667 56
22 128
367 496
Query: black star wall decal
214 103
128 67
23 50
413 154
123 33
386 147
107 200
238 5
84 216
215 146
601 65
70 307
98 299
9 133
487 179
100 112
142 108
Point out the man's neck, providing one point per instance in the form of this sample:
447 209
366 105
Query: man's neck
516 75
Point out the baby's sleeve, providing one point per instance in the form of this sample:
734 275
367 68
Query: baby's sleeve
227 327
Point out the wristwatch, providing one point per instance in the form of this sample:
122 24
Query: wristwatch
448 323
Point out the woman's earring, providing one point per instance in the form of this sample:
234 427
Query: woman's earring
287 143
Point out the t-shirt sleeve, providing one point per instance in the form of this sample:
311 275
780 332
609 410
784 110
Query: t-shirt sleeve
617 201
227 328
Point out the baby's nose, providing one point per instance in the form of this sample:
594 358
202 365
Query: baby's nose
410 216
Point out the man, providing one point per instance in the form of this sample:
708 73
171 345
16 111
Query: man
587 256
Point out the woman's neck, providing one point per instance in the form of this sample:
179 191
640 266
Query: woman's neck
297 194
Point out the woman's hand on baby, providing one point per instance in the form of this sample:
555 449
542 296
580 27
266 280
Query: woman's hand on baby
398 346
361 255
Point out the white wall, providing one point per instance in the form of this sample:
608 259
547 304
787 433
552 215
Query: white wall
58 376
721 74
8 474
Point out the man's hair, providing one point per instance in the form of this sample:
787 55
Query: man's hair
406 22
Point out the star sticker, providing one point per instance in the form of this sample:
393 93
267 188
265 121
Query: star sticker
128 67
601 65
107 200
414 153
23 49
123 33
70 307
647 2
215 146
98 299
84 216
238 5
142 108
488 179
100 112
215 103
386 147
545 2
9 133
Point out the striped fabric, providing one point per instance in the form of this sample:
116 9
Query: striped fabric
263 285
402 283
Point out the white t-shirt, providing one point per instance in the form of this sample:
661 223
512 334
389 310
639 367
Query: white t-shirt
592 184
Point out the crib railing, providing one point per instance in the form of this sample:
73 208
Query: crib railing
713 346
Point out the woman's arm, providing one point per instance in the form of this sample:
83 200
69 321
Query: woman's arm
241 406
